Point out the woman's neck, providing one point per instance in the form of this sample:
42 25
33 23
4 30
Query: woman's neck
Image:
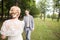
28 15
15 19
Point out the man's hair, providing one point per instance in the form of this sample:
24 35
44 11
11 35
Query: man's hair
28 10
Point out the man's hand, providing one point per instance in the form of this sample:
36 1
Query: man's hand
33 29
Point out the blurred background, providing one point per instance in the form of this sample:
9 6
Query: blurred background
46 15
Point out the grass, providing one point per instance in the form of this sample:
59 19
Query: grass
45 30
48 30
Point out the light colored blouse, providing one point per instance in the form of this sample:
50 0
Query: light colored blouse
12 28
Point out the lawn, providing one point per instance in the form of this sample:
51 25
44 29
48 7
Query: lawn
45 30
48 30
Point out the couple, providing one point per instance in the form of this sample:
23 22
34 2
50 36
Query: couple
13 28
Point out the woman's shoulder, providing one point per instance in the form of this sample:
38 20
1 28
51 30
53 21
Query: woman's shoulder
21 21
6 21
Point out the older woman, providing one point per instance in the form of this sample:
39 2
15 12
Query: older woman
13 28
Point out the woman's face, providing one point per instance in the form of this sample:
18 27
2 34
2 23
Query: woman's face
14 13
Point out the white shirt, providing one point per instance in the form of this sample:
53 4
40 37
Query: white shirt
13 29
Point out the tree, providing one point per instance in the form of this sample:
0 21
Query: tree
34 11
54 16
57 6
42 7
48 16
2 9
24 4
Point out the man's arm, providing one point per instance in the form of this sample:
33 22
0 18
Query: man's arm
32 23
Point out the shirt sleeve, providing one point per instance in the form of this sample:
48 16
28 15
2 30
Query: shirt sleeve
3 29
32 21
23 24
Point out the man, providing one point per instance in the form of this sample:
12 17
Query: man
29 24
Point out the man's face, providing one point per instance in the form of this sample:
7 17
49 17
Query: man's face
26 12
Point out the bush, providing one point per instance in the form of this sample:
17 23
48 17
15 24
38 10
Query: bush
48 16
54 16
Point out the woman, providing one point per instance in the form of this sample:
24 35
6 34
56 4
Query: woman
13 28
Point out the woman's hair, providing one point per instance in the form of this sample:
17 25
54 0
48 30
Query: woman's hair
13 7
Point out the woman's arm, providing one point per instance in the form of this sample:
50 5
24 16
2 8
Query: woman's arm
3 37
3 31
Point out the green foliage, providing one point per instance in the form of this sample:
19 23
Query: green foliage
57 3
10 3
42 6
24 4
34 11
54 16
48 16
57 6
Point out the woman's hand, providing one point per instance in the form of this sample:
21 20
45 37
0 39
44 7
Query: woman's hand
3 37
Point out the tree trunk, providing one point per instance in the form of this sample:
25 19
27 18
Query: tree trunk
53 15
8 15
58 16
44 16
41 16
2 11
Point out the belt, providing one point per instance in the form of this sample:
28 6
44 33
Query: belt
27 27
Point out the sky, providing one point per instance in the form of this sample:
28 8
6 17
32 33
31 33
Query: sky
0 0
37 1
50 3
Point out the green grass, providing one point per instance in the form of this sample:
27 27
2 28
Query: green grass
45 30
48 30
